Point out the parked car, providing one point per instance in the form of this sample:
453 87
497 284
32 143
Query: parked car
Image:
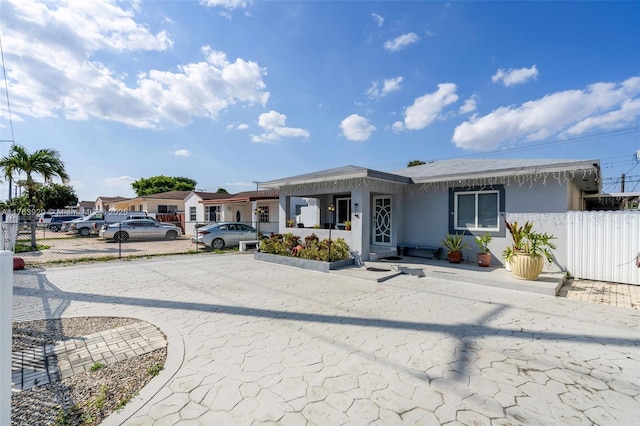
56 221
223 234
44 219
139 229
91 225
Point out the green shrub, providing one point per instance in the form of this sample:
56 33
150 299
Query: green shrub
312 247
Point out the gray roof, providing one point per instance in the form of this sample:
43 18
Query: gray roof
338 173
480 168
453 170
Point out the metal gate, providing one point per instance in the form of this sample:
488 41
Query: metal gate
604 245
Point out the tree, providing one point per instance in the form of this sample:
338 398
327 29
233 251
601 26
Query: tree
415 163
157 184
16 204
55 196
221 191
43 162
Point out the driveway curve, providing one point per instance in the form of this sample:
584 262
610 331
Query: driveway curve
264 343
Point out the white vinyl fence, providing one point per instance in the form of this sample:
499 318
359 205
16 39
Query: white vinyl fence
604 245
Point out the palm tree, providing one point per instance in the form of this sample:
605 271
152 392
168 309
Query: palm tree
43 162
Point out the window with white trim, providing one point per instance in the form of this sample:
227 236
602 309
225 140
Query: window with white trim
213 214
264 214
343 210
192 214
477 210
167 208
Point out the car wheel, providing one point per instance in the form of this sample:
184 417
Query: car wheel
85 232
121 236
171 235
217 244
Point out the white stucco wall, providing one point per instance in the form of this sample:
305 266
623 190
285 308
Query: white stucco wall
192 200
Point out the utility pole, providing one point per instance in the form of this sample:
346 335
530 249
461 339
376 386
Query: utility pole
622 178
257 184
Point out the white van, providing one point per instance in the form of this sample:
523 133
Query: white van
91 224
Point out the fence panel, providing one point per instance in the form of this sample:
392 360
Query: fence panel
57 246
604 245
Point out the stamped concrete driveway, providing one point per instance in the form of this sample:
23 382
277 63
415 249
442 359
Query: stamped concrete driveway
255 343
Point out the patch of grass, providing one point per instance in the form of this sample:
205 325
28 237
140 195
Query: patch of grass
25 248
97 366
124 401
155 370
94 407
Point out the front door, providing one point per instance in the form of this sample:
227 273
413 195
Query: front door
382 221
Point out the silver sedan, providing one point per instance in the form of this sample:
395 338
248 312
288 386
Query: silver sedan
223 234
139 229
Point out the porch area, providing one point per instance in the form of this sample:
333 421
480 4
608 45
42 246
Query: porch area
383 269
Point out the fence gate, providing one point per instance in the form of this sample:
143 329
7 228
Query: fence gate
604 245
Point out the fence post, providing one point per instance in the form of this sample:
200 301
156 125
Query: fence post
120 240
6 313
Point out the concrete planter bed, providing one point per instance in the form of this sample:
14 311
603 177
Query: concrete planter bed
314 265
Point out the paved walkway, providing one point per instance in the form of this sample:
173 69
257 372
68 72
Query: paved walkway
43 364
251 342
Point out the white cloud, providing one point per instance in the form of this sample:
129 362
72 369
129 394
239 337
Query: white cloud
398 127
59 75
227 4
356 128
181 153
274 125
242 126
469 105
515 76
427 108
389 85
571 112
120 182
401 42
379 19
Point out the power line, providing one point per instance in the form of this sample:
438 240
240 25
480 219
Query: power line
6 91
591 136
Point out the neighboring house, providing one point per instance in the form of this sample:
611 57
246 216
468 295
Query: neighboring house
168 203
203 207
613 201
83 207
197 213
419 205
86 207
106 203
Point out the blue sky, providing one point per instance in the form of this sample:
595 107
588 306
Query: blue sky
228 92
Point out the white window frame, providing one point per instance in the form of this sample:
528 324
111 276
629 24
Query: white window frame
348 214
476 227
193 214
264 214
217 209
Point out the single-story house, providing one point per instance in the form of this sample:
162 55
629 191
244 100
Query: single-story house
419 205
83 207
197 213
106 203
613 201
170 203
255 208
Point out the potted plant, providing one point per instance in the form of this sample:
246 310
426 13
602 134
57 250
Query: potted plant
454 244
482 241
347 225
529 250
291 223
